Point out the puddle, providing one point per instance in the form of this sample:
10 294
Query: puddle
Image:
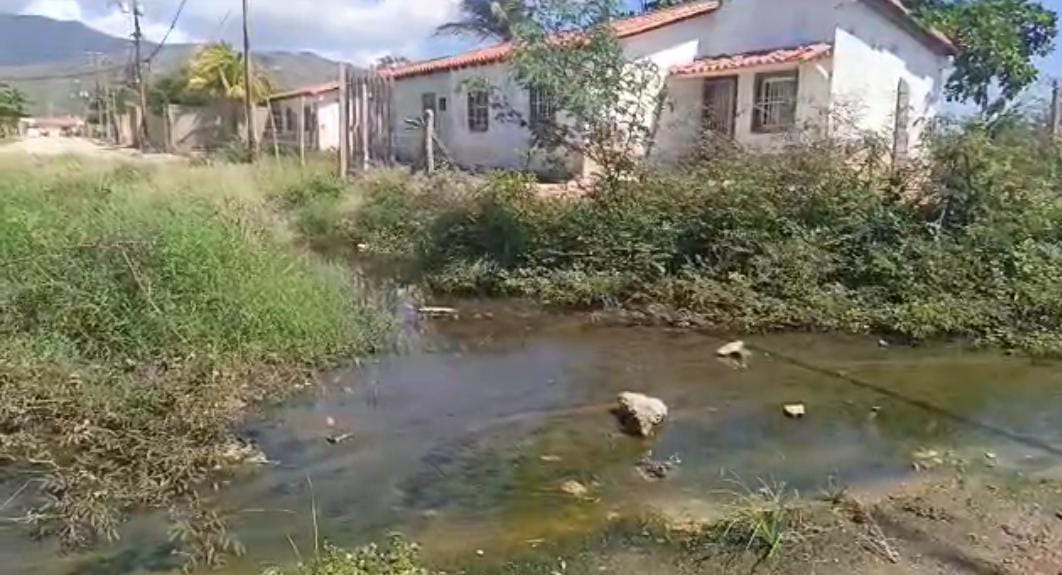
464 443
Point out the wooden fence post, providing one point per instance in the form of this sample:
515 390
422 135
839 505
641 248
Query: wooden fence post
302 130
429 140
1056 111
901 137
363 112
344 122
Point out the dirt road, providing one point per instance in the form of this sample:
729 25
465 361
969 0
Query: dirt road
82 147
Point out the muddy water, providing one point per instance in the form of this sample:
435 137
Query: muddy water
464 442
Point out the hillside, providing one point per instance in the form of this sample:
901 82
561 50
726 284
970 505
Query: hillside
49 60
28 40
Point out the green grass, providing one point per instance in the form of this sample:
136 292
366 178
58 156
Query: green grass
146 310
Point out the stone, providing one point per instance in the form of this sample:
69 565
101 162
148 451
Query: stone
574 488
438 311
734 349
640 414
795 410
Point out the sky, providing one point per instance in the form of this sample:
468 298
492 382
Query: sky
358 31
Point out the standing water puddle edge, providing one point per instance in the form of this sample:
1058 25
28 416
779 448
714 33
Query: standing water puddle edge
466 443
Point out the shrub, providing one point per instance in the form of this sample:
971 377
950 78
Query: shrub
815 236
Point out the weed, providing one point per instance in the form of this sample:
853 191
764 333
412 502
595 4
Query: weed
145 311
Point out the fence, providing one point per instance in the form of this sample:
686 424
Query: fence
366 121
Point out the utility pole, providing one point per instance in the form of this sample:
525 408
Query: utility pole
138 35
248 100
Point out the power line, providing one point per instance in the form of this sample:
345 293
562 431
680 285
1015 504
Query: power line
173 24
117 67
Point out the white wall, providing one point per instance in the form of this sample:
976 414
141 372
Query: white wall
872 54
327 119
681 124
747 25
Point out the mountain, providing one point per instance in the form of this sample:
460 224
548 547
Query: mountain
36 39
52 62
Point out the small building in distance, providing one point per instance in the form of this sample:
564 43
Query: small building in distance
50 127
314 109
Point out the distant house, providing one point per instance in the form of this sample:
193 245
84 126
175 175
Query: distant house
318 107
65 126
749 70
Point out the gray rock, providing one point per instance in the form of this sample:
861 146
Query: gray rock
640 414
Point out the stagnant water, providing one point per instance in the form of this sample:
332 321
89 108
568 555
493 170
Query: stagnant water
463 443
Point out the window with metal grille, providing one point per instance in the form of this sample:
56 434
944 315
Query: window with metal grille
776 102
291 120
478 111
278 118
543 108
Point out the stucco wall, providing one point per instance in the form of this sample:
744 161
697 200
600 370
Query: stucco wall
746 25
872 55
681 123
327 128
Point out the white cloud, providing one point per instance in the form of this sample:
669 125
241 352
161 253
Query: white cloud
357 30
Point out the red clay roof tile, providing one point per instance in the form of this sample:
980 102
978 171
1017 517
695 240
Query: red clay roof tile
727 62
624 29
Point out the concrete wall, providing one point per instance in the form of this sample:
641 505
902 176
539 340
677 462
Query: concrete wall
681 123
747 25
872 55
323 135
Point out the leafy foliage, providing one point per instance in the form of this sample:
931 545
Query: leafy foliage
486 19
12 107
999 42
568 50
217 70
397 557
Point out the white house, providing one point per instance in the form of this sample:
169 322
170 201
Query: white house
750 70
319 107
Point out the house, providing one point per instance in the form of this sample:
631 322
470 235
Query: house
65 126
314 109
749 70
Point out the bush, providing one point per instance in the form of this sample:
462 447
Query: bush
809 237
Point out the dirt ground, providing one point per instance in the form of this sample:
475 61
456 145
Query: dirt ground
82 147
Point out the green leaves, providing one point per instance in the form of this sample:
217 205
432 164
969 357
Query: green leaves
12 107
998 40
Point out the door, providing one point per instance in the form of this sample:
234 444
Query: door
720 105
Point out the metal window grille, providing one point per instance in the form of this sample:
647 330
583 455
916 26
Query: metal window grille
776 101
543 108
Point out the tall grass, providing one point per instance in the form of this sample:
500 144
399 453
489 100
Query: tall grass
145 309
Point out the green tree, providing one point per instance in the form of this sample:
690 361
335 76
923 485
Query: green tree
12 107
217 70
567 51
998 43
486 19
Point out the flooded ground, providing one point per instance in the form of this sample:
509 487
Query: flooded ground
465 442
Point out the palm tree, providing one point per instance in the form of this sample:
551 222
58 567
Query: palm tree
217 70
486 19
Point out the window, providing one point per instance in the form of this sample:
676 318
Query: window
442 104
776 100
478 111
543 108
427 102
278 118
292 119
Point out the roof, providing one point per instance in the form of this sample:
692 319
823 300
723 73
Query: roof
625 28
905 18
727 62
312 90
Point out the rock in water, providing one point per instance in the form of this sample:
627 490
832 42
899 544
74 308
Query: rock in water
640 414
736 350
